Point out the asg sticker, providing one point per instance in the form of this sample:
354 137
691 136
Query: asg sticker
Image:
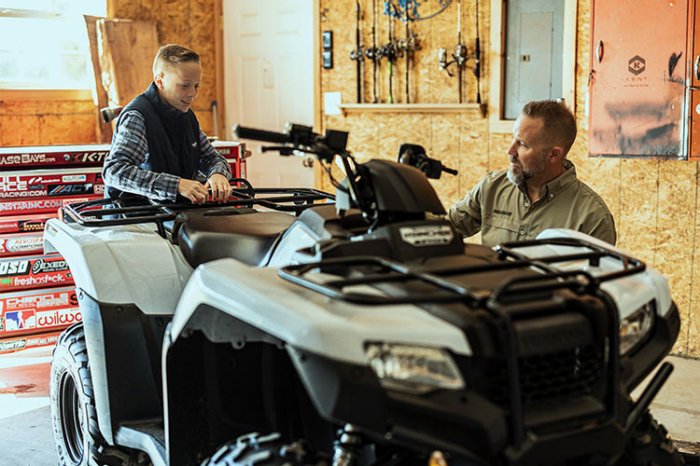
430 235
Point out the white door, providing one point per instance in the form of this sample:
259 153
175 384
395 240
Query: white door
268 79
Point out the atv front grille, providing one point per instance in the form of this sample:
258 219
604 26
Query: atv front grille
555 376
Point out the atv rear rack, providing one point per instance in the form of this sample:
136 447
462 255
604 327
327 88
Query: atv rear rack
136 209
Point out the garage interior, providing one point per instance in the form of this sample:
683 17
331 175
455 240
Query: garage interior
460 114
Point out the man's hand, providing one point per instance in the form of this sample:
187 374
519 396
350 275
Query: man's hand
220 187
192 190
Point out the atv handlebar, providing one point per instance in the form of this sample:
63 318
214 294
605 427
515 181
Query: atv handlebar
299 138
259 135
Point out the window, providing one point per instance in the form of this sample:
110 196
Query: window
534 45
44 43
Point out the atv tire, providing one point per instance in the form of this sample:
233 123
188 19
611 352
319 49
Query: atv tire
73 414
270 450
648 444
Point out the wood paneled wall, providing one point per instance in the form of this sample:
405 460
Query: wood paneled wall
655 203
193 23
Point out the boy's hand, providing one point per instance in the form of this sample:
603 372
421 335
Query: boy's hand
192 190
220 188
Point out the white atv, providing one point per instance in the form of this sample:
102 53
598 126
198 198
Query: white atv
283 330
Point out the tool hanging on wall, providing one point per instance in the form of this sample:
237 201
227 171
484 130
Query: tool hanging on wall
443 4
477 58
459 58
410 44
394 48
358 55
372 53
389 50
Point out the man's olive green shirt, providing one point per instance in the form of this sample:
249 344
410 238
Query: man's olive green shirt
503 212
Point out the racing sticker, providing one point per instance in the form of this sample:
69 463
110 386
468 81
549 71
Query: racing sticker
38 206
427 235
19 244
25 223
8 346
33 341
36 184
20 320
34 272
53 156
39 310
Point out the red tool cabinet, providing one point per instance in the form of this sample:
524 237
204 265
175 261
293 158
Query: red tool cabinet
37 299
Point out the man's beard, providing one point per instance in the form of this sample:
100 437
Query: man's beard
523 175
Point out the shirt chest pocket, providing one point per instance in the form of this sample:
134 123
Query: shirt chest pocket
500 228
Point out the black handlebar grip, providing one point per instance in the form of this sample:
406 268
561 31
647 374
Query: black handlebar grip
242 132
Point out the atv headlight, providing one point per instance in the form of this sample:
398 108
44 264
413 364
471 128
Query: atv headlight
413 369
636 326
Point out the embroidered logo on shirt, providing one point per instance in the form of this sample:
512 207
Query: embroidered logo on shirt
502 212
194 144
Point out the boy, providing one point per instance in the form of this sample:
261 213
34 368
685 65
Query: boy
158 149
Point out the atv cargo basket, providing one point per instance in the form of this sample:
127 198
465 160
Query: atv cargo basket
136 209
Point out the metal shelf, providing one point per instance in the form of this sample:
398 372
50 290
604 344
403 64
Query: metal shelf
413 108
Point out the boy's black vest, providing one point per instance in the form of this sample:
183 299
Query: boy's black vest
173 137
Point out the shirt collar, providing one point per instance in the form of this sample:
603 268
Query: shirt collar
561 182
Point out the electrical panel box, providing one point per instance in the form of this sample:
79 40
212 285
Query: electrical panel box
534 53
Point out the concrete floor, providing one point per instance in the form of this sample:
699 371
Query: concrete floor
26 438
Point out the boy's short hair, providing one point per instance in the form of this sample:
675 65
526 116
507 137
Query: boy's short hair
559 121
171 55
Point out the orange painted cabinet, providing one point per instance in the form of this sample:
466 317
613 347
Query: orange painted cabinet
643 58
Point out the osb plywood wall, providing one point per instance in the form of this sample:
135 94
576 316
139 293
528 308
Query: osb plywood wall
41 122
193 23
655 203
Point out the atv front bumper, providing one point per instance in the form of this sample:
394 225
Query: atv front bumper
588 423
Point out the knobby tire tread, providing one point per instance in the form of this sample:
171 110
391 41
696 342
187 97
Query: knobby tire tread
70 355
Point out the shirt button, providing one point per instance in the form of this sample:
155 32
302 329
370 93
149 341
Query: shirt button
551 196
522 232
527 204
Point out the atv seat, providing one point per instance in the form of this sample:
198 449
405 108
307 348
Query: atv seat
247 235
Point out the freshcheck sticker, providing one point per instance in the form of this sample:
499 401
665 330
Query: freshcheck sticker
427 235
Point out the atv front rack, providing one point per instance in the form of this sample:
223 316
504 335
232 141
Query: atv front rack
445 291
359 280
131 210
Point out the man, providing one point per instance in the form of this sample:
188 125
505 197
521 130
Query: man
158 150
539 190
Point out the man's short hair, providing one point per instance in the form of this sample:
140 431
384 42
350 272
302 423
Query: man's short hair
559 122
172 55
